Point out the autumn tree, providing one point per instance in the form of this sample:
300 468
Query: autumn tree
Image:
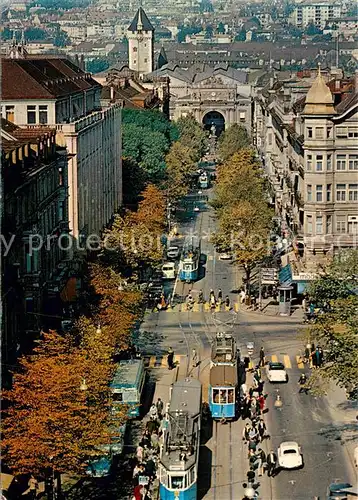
233 140
337 281
239 178
244 230
181 166
336 331
192 135
115 306
50 423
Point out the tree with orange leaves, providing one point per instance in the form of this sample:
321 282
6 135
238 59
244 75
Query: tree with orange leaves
115 308
50 422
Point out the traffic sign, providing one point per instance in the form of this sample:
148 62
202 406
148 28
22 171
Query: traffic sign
268 275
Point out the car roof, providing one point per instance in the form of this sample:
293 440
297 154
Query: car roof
289 444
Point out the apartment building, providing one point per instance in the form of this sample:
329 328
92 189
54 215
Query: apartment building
56 92
317 13
34 219
309 147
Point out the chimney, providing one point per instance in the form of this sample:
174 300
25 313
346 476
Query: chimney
112 92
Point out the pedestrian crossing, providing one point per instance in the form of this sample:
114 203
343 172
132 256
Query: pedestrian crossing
160 361
200 308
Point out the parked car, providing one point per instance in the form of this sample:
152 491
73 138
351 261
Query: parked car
276 372
225 256
289 455
173 252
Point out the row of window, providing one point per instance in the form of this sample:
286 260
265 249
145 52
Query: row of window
342 162
35 114
323 193
321 133
344 224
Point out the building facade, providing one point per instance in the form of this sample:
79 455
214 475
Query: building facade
56 92
34 221
317 13
219 96
140 36
310 152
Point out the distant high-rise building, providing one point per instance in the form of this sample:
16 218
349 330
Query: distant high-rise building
141 43
317 13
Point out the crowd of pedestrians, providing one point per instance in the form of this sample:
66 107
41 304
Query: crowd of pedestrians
147 454
252 408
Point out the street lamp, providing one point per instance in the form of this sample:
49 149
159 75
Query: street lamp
83 386
169 209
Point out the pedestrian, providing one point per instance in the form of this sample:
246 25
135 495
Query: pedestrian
261 427
220 295
170 358
146 437
242 296
271 463
302 381
261 460
194 358
260 387
140 451
262 357
253 434
160 407
356 456
252 447
33 486
154 439
153 412
261 401
245 432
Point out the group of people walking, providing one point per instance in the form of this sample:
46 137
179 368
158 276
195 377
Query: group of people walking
214 300
147 454
252 408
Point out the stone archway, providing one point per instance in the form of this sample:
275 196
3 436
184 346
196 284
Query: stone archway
214 118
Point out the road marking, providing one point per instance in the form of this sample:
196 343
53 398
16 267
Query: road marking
287 361
184 307
217 308
206 306
177 358
210 257
300 363
196 307
274 358
236 307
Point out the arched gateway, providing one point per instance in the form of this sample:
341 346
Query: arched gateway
214 118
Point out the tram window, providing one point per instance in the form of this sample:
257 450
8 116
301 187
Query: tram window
177 482
117 396
216 396
187 267
230 397
192 475
223 396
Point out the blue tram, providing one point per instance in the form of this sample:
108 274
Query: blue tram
203 180
178 468
223 392
127 385
190 259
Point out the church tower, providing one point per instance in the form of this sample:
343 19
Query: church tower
140 36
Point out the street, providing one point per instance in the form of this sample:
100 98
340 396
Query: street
302 418
223 462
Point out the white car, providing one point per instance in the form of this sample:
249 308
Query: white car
289 455
168 270
225 256
276 372
173 252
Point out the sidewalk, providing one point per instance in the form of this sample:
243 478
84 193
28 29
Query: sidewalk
344 426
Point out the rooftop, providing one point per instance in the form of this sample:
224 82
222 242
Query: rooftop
140 22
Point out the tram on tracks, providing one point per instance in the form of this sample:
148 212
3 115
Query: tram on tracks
203 180
223 392
224 350
179 457
190 259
